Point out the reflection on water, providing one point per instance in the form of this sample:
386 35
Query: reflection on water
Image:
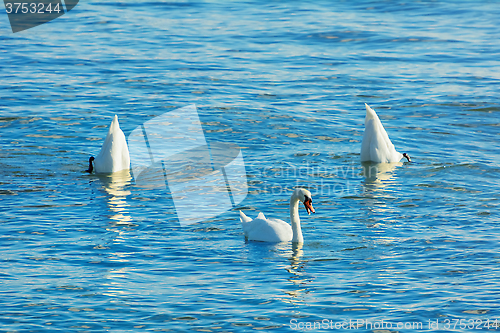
296 293
296 264
114 285
378 176
429 255
114 184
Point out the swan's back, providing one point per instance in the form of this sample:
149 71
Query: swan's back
266 230
114 155
376 145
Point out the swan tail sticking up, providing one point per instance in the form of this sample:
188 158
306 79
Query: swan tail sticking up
114 155
376 145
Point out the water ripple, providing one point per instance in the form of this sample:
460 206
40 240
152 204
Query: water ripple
286 82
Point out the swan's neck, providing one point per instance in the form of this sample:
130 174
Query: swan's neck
91 166
294 218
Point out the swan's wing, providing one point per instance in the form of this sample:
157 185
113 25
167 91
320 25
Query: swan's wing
369 137
244 218
268 230
366 154
278 222
261 216
386 150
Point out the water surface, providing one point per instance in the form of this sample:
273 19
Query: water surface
286 82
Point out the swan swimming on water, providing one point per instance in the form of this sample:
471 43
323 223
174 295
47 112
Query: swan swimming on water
376 145
274 230
114 155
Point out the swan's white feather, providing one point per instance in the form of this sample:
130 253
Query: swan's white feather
376 145
274 230
266 230
244 218
114 155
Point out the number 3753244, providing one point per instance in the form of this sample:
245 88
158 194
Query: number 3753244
31 7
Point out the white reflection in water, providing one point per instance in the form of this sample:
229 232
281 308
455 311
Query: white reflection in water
298 289
115 186
378 176
115 285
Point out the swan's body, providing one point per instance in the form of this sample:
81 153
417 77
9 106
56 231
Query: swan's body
274 230
114 155
376 145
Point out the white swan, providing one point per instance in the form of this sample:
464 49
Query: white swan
114 155
273 230
376 145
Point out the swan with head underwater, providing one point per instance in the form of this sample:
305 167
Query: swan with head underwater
273 230
114 155
376 145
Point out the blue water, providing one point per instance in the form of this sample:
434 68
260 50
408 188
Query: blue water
287 82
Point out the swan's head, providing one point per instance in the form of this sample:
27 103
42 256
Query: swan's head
91 167
306 198
405 155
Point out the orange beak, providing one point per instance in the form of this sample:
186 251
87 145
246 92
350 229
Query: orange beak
309 206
